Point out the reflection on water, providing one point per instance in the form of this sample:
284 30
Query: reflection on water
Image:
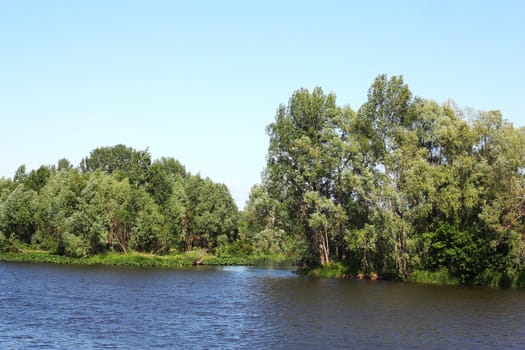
53 306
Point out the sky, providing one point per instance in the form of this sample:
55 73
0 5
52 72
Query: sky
199 81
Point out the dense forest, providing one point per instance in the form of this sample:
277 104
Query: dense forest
402 187
117 199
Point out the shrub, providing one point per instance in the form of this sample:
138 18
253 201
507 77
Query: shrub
73 246
442 276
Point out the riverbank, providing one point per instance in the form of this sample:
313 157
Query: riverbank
335 270
145 260
509 279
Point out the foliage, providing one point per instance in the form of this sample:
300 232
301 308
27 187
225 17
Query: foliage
117 200
119 159
303 169
17 213
457 251
73 246
135 259
209 213
404 187
441 277
334 270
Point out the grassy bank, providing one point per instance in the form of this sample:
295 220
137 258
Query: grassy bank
509 279
441 277
335 270
144 260
340 270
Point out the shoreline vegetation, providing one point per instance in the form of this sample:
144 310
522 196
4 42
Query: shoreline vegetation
201 258
441 277
135 259
335 270
402 188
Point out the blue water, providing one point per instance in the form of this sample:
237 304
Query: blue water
71 307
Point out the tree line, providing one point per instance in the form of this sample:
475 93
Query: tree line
401 185
117 199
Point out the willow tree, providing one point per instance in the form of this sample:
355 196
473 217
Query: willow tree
383 123
303 168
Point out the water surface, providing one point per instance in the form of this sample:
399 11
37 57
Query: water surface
63 307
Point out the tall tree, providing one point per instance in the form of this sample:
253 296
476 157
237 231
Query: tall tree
17 214
302 168
209 212
127 161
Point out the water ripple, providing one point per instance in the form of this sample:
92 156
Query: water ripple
64 307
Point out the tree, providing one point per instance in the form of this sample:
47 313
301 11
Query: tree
58 200
20 174
100 208
36 180
303 162
17 214
64 164
500 152
209 212
261 223
159 184
128 162
458 251
149 233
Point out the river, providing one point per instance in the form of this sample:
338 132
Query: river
85 307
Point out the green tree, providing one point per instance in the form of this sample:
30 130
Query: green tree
460 252
37 179
128 162
17 214
101 203
149 232
384 121
20 174
58 200
209 212
304 157
261 223
64 164
500 152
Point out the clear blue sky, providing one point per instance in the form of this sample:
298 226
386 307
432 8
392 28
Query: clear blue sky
200 80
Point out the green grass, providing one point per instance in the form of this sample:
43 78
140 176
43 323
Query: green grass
141 260
441 277
255 260
110 259
512 279
508 279
334 270
36 257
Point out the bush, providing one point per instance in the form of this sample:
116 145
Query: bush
11 244
520 282
238 248
334 270
3 243
73 246
41 240
460 252
442 276
226 259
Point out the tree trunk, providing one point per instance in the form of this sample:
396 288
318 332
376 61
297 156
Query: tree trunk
324 250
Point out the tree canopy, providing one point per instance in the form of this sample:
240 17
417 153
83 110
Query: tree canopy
116 200
401 185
